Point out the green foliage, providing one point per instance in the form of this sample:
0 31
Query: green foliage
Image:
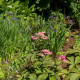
19 56
55 34
40 70
75 6
12 37
43 4
16 6
73 62
52 78
1 74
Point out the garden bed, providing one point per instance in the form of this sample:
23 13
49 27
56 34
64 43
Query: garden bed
39 41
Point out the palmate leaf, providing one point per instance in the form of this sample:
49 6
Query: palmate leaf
73 61
74 75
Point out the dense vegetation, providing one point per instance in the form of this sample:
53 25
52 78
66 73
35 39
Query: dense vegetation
33 35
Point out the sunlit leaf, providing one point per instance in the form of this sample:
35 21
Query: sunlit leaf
32 77
52 78
42 77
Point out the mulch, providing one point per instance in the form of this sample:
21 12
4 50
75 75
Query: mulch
70 43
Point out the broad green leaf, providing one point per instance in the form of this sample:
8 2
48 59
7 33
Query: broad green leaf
19 78
71 59
48 70
1 75
33 58
38 71
26 74
52 78
64 71
78 66
32 77
71 66
42 76
73 51
68 76
77 60
60 73
37 63
75 76
75 70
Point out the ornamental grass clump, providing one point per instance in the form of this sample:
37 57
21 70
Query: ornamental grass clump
13 37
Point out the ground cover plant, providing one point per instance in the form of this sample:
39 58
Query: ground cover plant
36 48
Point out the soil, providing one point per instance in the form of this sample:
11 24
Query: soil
70 43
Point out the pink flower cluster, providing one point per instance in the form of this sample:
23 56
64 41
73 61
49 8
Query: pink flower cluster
46 52
40 34
34 38
63 58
